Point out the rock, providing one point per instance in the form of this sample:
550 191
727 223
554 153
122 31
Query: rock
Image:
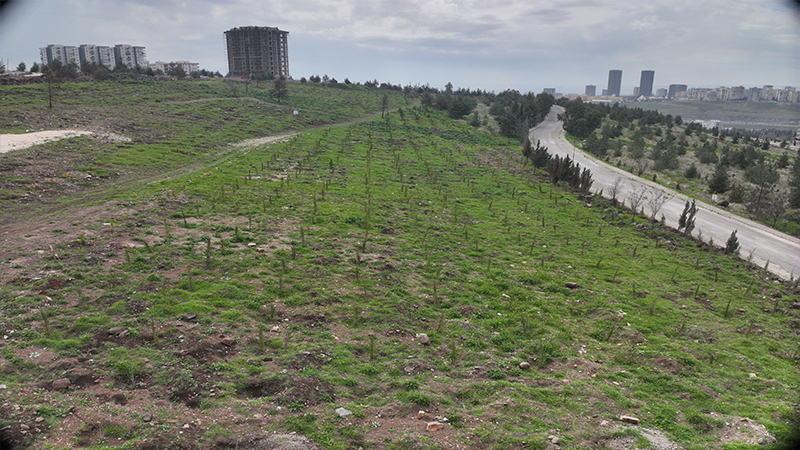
116 331
342 412
554 439
795 305
61 383
252 244
423 338
433 426
752 375
39 419
147 417
571 285
629 419
524 365
188 316
228 342
427 417
275 329
2 386
603 423
24 427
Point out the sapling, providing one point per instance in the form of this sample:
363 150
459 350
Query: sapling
372 346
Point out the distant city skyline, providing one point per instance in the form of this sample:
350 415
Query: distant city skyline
526 45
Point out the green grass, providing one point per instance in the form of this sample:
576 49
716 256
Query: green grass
389 228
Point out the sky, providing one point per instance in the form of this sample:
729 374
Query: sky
527 45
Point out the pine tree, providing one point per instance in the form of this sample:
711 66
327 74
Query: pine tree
732 245
718 183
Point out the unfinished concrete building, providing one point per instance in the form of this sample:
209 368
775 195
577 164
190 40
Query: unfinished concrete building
257 52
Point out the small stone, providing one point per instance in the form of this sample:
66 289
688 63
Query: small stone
61 383
186 426
2 386
571 285
342 412
423 338
39 419
147 417
188 316
629 419
752 375
603 423
554 439
524 365
24 427
275 329
114 331
433 426
252 244
228 342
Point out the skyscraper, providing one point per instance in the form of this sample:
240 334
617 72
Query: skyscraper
614 82
591 90
646 83
257 51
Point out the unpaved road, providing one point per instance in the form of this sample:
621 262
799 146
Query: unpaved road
763 243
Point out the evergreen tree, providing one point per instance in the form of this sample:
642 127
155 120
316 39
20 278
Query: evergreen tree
794 182
732 245
718 183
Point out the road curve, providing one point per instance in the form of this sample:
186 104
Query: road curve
759 243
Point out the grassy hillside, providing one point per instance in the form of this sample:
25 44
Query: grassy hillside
262 288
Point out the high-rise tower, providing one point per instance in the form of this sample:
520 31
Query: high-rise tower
646 83
614 82
254 51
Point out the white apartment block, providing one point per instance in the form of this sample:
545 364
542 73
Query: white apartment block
188 67
125 54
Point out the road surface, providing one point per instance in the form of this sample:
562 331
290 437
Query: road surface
757 242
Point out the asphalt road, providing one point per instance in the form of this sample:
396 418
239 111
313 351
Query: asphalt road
763 243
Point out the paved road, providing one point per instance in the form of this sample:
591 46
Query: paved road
781 250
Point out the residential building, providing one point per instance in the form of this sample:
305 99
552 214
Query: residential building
661 92
105 56
674 89
614 82
636 91
124 54
551 91
166 67
257 51
646 83
591 90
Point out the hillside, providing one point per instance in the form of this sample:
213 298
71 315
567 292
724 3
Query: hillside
732 114
178 291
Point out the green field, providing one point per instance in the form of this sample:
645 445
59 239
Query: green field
200 298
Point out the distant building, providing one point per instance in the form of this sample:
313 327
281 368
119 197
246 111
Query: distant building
661 92
257 51
166 67
591 90
124 54
614 82
674 89
636 91
551 91
605 92
646 83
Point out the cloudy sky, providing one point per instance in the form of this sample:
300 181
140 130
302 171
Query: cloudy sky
489 44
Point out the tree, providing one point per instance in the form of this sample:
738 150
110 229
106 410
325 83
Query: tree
615 189
21 67
732 245
794 183
279 89
34 68
177 72
384 104
718 184
637 197
656 201
763 176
